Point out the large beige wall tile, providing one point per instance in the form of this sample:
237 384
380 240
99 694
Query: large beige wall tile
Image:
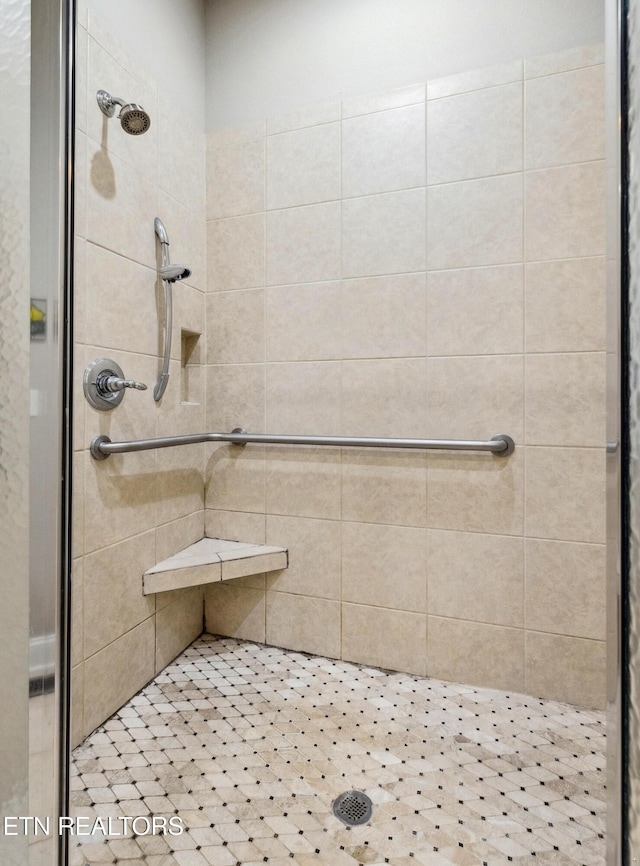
80 288
304 398
565 399
236 252
104 72
384 151
391 639
303 244
180 483
296 622
236 478
189 314
476 493
477 577
565 212
383 234
235 397
475 134
177 625
235 611
77 612
121 205
181 156
564 118
303 166
566 669
236 526
476 79
312 115
251 581
385 566
111 282
236 327
565 305
180 533
304 481
384 487
233 135
113 600
100 28
471 652
77 706
384 317
565 494
384 398
187 233
171 596
80 439
80 180
117 672
177 417
120 498
235 179
475 397
565 588
314 555
475 311
564 60
385 101
81 90
303 322
78 503
487 216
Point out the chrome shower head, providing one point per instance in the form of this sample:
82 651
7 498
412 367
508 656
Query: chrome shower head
133 118
173 273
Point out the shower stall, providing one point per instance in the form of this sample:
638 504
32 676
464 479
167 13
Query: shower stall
327 549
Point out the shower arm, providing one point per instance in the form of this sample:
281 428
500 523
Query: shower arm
102 446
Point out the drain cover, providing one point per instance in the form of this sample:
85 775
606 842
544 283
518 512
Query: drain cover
352 807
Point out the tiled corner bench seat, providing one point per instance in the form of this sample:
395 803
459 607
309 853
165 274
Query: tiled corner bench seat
210 560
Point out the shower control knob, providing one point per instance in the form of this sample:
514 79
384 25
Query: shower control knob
105 385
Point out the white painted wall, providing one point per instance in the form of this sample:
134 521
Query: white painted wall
167 37
268 57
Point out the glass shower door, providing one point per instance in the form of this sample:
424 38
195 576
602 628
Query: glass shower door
15 27
35 155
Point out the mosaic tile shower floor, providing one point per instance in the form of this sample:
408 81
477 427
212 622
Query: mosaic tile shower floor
250 745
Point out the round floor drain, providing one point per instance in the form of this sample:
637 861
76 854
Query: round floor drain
352 807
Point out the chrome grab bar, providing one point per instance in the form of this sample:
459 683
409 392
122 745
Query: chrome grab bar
102 446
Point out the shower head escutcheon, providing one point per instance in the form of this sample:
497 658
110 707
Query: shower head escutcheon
133 118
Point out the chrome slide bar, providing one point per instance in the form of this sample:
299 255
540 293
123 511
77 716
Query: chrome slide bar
169 274
102 446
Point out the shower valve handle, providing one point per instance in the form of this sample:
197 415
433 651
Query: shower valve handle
107 384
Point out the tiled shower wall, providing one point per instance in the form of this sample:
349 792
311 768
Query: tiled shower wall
424 263
133 510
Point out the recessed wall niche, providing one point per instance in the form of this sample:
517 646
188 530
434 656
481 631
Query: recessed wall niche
190 369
